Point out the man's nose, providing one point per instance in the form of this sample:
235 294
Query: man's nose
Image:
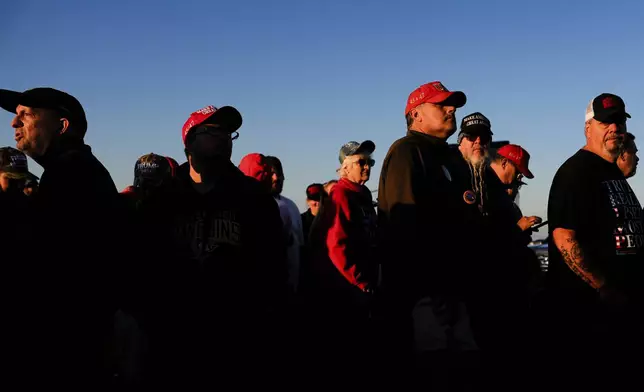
450 109
617 128
16 123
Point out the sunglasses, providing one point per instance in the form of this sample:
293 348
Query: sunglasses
365 162
485 138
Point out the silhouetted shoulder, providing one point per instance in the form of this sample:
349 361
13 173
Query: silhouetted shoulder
404 144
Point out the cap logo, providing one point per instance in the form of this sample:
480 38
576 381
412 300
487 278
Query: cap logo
207 110
609 102
438 86
147 167
18 161
417 98
476 119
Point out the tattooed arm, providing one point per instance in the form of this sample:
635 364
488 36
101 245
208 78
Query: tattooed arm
573 255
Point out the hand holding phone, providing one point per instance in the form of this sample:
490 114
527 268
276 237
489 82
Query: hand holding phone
538 226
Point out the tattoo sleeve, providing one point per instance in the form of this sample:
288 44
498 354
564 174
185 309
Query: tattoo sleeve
574 257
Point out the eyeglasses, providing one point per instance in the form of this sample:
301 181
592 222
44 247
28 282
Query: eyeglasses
214 130
485 138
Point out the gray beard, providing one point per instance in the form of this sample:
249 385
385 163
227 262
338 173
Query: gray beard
614 153
477 178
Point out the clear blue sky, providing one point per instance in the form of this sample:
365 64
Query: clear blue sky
309 76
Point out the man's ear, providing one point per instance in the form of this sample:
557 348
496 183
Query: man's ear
415 115
64 126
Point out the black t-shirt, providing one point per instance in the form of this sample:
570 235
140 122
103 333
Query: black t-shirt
591 196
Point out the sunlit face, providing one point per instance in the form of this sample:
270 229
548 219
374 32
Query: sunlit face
474 147
358 168
35 129
436 120
606 137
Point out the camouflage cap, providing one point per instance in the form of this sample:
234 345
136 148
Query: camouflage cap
353 148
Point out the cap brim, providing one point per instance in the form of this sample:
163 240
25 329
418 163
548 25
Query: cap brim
452 98
17 175
227 117
9 100
366 147
607 115
527 173
476 130
315 197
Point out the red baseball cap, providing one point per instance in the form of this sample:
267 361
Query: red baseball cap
518 156
226 116
314 192
434 92
254 165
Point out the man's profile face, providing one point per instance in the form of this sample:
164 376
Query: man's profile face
435 119
277 181
628 161
35 129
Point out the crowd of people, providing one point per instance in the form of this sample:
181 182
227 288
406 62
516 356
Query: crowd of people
203 274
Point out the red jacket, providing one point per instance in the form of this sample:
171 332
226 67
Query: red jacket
346 237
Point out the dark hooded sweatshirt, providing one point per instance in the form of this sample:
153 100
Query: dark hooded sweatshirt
67 289
216 267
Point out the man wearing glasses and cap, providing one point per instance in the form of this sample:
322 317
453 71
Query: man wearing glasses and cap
216 263
510 163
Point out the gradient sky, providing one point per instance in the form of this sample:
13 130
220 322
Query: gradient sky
308 76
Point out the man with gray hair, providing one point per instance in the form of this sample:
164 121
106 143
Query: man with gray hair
473 142
595 250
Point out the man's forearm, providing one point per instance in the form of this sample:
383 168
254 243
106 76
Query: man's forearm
574 258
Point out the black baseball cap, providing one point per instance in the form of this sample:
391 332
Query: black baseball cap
151 170
607 107
14 163
47 98
476 123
